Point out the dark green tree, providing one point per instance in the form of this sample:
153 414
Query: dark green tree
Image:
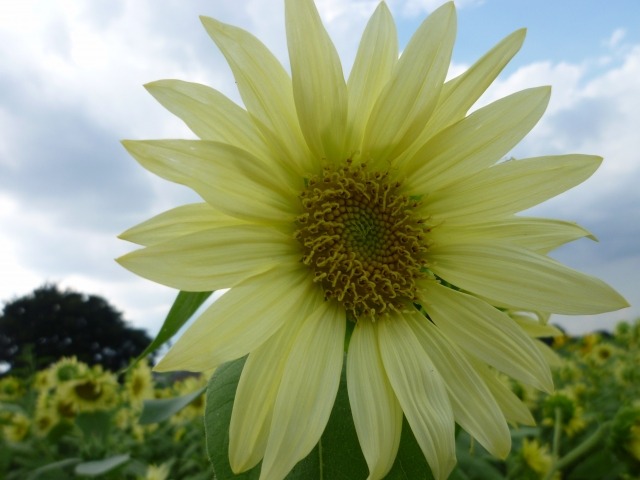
40 328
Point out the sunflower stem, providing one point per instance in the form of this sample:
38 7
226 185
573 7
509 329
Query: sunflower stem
585 447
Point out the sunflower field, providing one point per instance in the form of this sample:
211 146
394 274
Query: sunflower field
76 421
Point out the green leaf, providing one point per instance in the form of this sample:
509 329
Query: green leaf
52 467
600 465
477 467
184 306
221 392
155 411
410 463
337 456
94 424
99 467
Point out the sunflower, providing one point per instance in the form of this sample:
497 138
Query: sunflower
97 390
374 206
139 383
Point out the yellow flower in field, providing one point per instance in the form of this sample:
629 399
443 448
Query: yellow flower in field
376 203
17 427
96 390
588 342
65 369
11 389
537 457
139 383
44 421
601 353
157 472
571 414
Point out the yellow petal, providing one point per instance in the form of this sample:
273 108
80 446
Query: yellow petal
523 280
177 222
265 88
460 93
473 405
376 412
476 142
488 334
307 391
410 96
258 388
240 321
232 179
209 114
508 188
538 234
514 410
551 357
211 259
421 392
535 328
319 89
377 55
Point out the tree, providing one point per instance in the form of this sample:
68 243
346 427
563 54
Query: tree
40 328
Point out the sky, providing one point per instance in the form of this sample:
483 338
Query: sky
71 76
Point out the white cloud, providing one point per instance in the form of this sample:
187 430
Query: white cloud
410 8
616 37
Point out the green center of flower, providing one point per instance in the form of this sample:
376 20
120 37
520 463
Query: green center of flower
363 239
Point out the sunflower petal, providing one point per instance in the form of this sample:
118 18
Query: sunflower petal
233 326
410 96
225 176
421 392
319 89
377 56
514 410
473 405
177 222
508 187
211 259
209 114
257 391
538 234
461 92
376 412
476 142
485 332
265 88
514 277
307 390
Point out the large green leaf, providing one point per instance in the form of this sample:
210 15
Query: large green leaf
56 468
337 456
154 411
100 467
184 306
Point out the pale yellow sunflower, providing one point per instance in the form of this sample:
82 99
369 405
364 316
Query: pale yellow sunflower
139 383
377 202
96 390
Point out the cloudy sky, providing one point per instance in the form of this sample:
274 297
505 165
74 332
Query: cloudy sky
71 76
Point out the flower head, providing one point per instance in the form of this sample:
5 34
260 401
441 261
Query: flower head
139 383
377 202
96 390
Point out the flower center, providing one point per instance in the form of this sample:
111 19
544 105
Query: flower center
362 239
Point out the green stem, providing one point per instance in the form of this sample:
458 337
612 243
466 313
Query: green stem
557 431
581 450
555 445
